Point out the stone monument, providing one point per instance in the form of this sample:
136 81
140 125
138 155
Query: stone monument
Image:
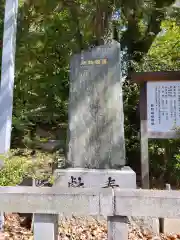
96 146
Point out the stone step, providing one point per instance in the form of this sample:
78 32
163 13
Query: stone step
171 226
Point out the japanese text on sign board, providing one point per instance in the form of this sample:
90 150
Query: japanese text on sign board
94 62
163 106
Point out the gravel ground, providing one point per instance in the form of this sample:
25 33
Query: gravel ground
75 229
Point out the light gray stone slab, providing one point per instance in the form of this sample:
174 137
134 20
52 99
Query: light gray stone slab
129 202
117 228
96 118
171 226
146 223
64 201
125 178
45 227
147 203
107 203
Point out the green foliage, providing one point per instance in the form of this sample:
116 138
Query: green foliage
20 164
165 162
164 54
49 32
13 172
164 156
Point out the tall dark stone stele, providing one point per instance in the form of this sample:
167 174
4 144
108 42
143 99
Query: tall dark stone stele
96 119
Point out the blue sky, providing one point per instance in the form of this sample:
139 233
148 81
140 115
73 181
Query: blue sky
177 4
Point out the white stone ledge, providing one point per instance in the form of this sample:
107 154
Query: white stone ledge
64 201
83 201
144 203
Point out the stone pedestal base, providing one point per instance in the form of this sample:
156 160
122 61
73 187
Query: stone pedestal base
124 178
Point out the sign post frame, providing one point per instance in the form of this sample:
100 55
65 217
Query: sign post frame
143 78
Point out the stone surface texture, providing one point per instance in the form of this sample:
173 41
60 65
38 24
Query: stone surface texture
96 118
125 178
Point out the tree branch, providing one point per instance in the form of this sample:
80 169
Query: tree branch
137 44
74 9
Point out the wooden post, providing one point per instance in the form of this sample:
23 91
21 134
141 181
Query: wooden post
144 139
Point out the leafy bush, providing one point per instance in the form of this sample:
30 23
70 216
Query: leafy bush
20 164
165 162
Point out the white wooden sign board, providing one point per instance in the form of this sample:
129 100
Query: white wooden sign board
163 106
